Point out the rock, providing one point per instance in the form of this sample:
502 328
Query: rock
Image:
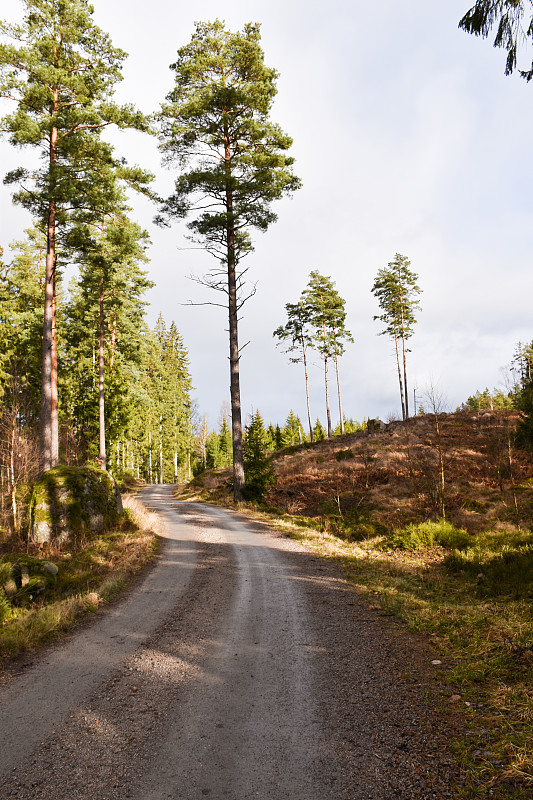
67 502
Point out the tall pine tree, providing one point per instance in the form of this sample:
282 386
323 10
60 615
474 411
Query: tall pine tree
396 290
216 127
327 315
60 69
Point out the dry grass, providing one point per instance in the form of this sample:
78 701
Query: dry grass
87 578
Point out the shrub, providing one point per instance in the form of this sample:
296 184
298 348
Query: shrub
425 534
343 455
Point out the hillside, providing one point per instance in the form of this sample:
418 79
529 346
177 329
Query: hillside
375 481
373 502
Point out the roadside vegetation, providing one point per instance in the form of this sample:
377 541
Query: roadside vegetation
432 521
44 590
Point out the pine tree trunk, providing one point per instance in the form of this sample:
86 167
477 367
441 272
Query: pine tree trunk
235 391
12 482
48 432
304 352
404 366
341 417
399 373
326 383
160 450
101 398
328 412
54 421
113 334
45 432
442 483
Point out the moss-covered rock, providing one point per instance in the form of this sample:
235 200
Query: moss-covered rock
67 502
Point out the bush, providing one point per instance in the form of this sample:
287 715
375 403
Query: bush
352 526
425 534
343 455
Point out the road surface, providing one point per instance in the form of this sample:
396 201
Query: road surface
240 667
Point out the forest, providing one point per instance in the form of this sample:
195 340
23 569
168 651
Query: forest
83 380
429 512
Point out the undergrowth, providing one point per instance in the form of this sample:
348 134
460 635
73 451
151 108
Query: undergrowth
42 596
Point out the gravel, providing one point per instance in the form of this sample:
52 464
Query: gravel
252 670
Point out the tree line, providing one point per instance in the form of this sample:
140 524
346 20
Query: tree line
59 70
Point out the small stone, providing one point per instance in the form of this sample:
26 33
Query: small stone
454 698
436 662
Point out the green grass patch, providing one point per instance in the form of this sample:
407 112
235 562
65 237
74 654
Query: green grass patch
427 534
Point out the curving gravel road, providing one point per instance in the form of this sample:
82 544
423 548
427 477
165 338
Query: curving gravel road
240 667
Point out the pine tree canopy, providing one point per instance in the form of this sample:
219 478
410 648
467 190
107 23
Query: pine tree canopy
60 70
215 126
513 21
396 288
325 310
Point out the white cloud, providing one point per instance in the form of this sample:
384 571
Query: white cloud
408 138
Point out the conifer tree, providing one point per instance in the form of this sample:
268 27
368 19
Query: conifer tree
170 388
111 288
524 429
327 315
59 69
318 431
224 443
297 339
292 432
258 469
216 126
21 312
513 21
396 288
105 318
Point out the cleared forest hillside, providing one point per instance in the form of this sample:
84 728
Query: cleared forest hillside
374 502
462 466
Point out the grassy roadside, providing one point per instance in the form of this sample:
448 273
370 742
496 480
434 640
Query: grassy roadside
472 596
86 578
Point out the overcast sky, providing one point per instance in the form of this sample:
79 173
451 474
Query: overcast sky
408 138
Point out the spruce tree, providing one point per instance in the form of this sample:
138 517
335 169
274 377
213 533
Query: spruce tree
216 127
60 69
524 429
257 466
292 432
105 319
318 431
21 313
224 442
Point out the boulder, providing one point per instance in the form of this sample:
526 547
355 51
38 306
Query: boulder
68 502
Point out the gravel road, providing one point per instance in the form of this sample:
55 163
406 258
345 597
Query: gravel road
241 667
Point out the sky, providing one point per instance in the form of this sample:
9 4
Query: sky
408 138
